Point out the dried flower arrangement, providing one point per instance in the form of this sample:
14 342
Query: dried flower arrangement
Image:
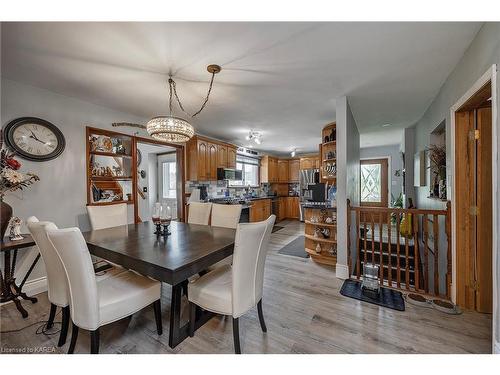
10 177
437 156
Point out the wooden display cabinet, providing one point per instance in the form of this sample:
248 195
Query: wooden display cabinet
328 253
110 168
328 154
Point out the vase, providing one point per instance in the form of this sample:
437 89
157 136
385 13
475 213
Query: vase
6 215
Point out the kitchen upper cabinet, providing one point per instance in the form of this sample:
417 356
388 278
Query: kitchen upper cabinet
310 162
268 169
222 156
212 162
282 170
231 157
293 170
204 156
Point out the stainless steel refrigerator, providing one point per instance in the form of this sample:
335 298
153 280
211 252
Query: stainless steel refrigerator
307 177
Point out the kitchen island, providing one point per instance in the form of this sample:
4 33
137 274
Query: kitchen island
321 233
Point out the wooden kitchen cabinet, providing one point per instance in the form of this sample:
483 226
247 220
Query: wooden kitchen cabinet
293 170
231 157
282 208
204 156
310 162
260 210
282 170
222 156
292 208
268 169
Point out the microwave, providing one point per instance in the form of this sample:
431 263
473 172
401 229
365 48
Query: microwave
229 174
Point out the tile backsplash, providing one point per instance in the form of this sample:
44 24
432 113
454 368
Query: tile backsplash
217 189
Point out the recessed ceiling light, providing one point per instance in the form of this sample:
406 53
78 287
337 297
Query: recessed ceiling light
386 125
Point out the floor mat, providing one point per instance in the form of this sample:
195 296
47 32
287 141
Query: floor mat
295 248
387 297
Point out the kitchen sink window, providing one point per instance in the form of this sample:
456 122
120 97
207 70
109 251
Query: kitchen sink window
250 171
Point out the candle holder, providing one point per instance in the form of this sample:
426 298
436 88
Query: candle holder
166 232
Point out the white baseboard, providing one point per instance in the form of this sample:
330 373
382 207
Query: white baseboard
342 271
35 286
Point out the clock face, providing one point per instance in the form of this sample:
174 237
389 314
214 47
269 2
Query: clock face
34 139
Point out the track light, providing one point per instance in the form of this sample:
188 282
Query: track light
255 136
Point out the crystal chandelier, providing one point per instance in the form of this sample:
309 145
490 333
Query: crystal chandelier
169 128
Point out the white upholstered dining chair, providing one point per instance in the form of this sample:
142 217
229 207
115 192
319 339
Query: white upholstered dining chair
226 216
199 213
94 304
57 286
233 290
108 216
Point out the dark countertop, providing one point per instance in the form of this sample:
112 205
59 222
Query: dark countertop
319 206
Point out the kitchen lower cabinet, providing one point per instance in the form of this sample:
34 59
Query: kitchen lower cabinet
292 208
260 210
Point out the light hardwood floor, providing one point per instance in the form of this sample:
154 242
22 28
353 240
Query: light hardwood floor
304 312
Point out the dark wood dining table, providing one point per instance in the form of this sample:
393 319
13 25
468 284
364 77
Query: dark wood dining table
187 251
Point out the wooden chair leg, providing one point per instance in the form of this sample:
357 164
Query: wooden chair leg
64 326
74 336
52 315
192 318
236 336
94 341
157 310
261 316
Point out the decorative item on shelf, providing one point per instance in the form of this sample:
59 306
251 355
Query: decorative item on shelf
323 214
333 250
129 197
327 139
318 248
331 169
15 229
442 189
331 155
317 232
170 128
117 171
328 220
118 147
333 135
332 196
101 143
10 180
325 232
313 219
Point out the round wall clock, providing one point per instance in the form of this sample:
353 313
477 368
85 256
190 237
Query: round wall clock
34 139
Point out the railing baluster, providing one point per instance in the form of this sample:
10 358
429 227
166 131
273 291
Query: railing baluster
365 249
398 239
358 261
436 255
417 257
389 263
407 260
425 225
373 239
381 247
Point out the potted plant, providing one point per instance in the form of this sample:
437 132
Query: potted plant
10 180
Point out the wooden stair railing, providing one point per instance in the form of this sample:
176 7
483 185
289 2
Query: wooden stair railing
408 261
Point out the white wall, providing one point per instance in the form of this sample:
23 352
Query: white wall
347 177
60 195
483 52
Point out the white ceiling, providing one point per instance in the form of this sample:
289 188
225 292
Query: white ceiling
278 78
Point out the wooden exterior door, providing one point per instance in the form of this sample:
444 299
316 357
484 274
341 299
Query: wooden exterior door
374 183
473 173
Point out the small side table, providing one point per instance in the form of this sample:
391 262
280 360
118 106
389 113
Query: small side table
10 290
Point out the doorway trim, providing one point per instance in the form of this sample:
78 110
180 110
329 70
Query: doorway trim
489 75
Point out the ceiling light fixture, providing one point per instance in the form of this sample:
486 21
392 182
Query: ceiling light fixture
386 125
170 128
254 136
292 154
